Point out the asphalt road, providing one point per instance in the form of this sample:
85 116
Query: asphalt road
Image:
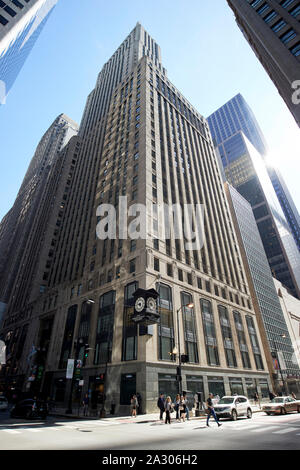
262 432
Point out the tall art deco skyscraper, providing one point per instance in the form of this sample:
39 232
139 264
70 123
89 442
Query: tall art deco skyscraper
272 29
140 139
21 22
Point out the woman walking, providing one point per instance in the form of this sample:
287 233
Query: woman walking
134 405
177 401
168 408
182 408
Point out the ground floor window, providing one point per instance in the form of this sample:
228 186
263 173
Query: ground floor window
59 389
167 385
216 386
194 385
250 388
236 386
264 388
127 388
96 390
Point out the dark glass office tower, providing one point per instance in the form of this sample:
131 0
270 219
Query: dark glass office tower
245 170
272 29
234 116
287 204
261 283
21 23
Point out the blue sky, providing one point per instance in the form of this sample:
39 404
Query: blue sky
206 56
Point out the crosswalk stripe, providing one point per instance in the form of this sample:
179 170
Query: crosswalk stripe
11 431
285 431
246 427
269 428
33 430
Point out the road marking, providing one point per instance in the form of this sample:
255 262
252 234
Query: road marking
269 428
11 431
33 430
246 427
285 431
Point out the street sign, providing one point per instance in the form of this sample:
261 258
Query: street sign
81 383
70 368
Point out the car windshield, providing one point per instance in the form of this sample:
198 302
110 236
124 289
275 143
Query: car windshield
277 400
226 401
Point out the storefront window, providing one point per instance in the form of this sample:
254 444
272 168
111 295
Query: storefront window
236 386
128 388
167 385
216 386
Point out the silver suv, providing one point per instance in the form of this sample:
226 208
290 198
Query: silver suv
233 407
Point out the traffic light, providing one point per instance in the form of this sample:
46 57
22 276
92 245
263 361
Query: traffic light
86 351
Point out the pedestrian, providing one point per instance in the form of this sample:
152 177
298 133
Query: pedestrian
211 411
186 406
176 406
182 408
168 410
85 404
161 406
134 405
255 398
139 399
271 395
293 396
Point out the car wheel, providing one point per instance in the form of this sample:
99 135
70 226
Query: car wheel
234 415
249 413
283 411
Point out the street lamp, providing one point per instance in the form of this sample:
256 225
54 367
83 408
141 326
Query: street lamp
78 345
179 376
280 370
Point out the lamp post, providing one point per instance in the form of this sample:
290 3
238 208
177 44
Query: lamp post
280 370
179 376
78 343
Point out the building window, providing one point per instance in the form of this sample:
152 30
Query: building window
210 333
132 266
129 349
242 340
180 274
254 343
189 323
104 332
166 326
169 270
156 264
227 337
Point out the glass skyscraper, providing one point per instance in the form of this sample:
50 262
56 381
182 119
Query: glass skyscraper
287 204
225 124
241 145
261 281
21 23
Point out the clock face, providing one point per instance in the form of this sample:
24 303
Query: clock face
140 304
151 304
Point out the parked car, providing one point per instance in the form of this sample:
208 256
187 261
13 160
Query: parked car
281 405
233 407
3 404
30 409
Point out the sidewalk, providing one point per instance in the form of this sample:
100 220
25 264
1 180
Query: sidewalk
144 418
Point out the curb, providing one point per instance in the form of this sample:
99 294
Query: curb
96 418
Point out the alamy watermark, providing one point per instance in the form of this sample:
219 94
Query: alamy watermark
296 94
152 221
